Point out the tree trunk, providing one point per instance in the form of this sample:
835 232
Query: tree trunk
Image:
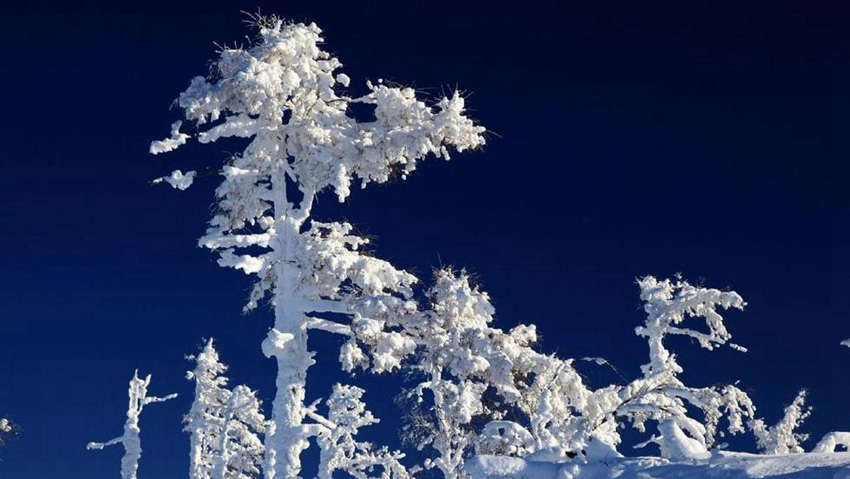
286 439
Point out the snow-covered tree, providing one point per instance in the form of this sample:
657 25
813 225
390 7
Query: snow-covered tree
340 451
474 375
239 451
283 95
130 439
660 395
224 426
205 420
781 438
450 368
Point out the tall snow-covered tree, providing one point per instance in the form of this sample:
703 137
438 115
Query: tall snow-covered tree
283 94
205 420
130 439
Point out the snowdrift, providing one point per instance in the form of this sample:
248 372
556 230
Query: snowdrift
721 465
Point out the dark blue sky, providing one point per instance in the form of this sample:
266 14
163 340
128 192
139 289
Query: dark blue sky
632 140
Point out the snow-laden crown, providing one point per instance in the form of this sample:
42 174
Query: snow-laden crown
283 93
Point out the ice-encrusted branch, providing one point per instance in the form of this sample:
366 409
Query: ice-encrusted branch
177 179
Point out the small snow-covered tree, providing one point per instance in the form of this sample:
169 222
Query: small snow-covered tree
224 426
474 375
205 420
239 451
283 95
660 395
130 439
340 451
458 312
781 438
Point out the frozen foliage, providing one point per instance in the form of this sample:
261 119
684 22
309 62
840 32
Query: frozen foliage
8 431
505 438
130 439
177 179
224 426
340 451
660 396
781 438
174 141
284 96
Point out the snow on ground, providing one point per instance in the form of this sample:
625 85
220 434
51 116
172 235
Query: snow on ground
721 465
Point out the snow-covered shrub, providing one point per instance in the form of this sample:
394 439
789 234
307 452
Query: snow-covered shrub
284 95
781 438
130 439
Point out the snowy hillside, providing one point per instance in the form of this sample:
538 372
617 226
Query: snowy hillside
721 465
